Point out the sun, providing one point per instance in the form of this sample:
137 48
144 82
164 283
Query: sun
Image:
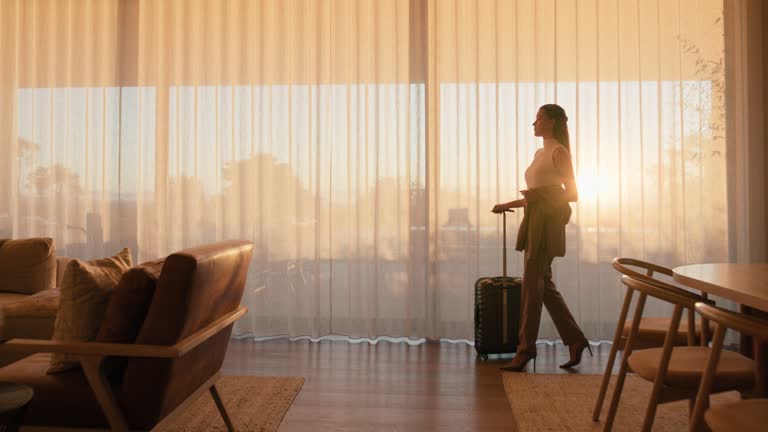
591 185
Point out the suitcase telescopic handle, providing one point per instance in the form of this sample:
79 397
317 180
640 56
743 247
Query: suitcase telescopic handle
504 243
505 293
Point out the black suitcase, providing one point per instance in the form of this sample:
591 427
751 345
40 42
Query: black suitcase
497 310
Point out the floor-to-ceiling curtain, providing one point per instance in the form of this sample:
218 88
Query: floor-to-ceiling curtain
360 144
746 41
642 83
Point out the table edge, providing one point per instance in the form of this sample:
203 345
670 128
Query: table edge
728 294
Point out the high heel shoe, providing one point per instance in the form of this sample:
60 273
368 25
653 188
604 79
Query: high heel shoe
576 350
519 361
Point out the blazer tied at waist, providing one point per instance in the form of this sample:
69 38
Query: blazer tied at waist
542 230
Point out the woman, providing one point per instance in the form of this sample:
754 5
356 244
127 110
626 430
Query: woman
551 186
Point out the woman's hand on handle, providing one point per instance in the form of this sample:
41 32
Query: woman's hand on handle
501 208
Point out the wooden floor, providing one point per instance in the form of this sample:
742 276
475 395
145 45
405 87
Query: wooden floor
393 386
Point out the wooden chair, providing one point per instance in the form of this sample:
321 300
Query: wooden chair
675 373
743 416
651 331
177 355
749 415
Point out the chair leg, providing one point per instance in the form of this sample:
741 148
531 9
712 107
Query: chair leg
604 384
624 364
612 356
658 382
613 408
222 408
702 399
653 403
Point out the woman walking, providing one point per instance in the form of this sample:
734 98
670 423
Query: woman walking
551 186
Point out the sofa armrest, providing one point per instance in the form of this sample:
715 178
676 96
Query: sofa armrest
101 349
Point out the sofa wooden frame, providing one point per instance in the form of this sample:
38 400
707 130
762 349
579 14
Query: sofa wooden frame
92 354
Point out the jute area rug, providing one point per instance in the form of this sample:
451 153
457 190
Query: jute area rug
255 404
564 402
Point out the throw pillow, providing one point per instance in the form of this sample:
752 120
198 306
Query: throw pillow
85 291
129 303
126 312
28 265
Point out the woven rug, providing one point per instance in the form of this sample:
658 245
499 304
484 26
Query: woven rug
564 402
255 403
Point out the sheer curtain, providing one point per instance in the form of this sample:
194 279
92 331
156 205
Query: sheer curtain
361 144
643 85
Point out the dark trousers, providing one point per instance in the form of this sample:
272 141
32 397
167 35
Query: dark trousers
538 290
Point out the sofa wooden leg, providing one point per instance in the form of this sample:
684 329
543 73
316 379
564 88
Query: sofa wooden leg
222 408
101 389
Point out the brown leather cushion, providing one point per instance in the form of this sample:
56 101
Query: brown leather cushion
129 303
653 331
27 266
734 371
63 399
126 311
743 416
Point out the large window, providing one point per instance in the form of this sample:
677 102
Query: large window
361 144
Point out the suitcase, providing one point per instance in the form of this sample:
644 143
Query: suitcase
497 310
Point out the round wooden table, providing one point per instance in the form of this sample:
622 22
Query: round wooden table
746 284
13 400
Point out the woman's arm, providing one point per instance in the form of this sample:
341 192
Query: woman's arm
571 191
562 160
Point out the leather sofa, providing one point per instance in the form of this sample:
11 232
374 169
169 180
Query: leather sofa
30 273
142 382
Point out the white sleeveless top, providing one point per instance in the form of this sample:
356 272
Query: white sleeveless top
542 171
